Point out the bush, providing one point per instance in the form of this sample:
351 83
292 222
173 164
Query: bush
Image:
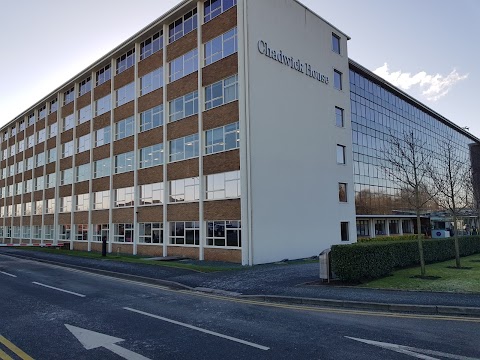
390 238
371 260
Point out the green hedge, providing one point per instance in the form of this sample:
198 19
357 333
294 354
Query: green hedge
390 238
371 260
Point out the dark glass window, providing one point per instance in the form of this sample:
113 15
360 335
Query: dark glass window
103 75
337 80
151 45
183 26
125 61
339 117
342 192
335 43
85 86
344 231
340 154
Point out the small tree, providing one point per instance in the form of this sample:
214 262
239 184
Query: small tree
449 179
408 164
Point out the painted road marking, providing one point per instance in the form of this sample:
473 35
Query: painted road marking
411 351
55 288
261 347
5 273
14 349
92 340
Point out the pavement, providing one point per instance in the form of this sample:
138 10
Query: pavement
281 283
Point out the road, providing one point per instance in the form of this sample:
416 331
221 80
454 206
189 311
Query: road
48 312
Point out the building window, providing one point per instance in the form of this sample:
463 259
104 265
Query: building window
37 207
102 136
223 186
336 43
126 61
22 125
67 149
103 105
221 47
68 122
221 92
83 173
125 128
184 65
224 233
85 114
51 155
53 106
21 146
17 210
363 228
125 197
65 204
64 232
42 112
84 143
68 96
27 232
18 189
125 94
37 231
82 202
101 168
407 227
52 130
100 232
380 228
184 148
124 233
185 190
39 183
151 81
66 177
41 136
344 231
337 80
49 230
150 233
151 118
342 192
30 141
124 162
51 180
151 45
151 156
184 233
339 120
151 194
393 227
31 119
81 232
182 26
85 86
101 200
28 185
20 167
40 159
213 8
103 75
183 107
341 154
222 139
50 206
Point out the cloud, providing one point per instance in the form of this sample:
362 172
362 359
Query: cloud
434 86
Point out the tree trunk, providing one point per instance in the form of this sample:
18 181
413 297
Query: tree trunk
455 236
420 244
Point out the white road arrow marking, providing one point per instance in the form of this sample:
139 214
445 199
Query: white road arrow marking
92 340
414 352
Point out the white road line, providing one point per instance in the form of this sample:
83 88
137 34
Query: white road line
5 273
261 347
54 288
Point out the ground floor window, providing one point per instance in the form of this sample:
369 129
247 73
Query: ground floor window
150 233
124 233
37 231
8 231
407 227
224 233
48 232
363 228
344 231
380 227
64 233
393 227
81 232
184 233
17 232
100 232
26 232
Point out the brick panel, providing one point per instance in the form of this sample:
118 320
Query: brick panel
64 219
220 70
29 153
67 110
8 221
120 216
101 121
81 188
65 190
52 118
10 180
151 63
219 24
186 252
100 217
221 116
39 148
150 100
150 175
27 175
82 158
50 193
181 128
182 45
234 256
150 137
222 210
40 126
37 220
221 162
101 152
66 136
150 250
20 135
150 214
37 196
102 90
50 168
80 245
29 131
17 199
83 129
183 212
84 100
122 248
123 146
101 184
18 178
182 86
51 143
16 221
182 169
123 180
66 163
123 111
124 78
37 172
48 219
26 220
80 218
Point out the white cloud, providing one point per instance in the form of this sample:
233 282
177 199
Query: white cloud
434 86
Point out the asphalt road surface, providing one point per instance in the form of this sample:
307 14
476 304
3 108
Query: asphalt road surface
48 312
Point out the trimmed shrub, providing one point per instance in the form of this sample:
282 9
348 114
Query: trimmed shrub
371 260
390 238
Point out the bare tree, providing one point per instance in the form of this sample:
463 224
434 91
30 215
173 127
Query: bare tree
449 178
407 164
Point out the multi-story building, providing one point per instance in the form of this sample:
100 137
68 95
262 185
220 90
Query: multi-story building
221 131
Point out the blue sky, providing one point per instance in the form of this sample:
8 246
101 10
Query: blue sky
427 48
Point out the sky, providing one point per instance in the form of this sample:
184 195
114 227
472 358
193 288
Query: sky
427 48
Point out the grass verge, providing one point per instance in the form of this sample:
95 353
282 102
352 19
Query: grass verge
450 279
